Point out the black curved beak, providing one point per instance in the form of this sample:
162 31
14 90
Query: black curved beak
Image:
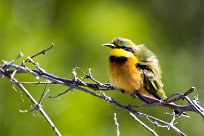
109 45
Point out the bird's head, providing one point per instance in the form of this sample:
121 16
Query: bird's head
121 43
122 47
122 50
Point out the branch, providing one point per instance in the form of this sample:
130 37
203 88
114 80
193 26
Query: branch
117 125
96 89
192 106
143 124
37 106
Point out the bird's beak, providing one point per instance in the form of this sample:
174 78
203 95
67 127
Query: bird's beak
109 45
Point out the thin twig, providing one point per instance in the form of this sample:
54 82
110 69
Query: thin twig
35 103
39 82
143 124
46 90
116 125
58 95
41 52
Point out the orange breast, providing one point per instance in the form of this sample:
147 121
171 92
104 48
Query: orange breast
125 75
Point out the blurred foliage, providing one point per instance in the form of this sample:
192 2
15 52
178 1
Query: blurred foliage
173 29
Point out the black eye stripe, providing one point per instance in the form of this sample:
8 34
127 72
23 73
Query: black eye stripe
125 47
128 49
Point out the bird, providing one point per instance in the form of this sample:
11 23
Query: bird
134 69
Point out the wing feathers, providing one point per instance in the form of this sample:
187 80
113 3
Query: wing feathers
150 69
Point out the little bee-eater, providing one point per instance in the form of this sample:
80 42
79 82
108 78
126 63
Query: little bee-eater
134 69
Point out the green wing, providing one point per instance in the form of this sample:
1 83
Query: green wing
151 72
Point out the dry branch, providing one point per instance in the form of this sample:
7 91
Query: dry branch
96 89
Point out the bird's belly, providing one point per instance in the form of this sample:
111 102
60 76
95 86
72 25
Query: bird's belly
125 77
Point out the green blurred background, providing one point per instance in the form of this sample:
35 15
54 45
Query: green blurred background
173 30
